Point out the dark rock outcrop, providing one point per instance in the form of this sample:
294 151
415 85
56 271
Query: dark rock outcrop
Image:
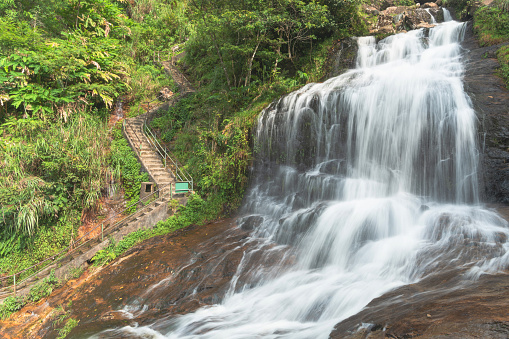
490 98
435 307
341 57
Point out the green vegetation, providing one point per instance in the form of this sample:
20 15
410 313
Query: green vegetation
503 59
50 173
10 305
126 166
69 325
491 23
63 65
60 315
404 3
41 290
197 211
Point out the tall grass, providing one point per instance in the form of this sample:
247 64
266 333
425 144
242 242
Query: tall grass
49 173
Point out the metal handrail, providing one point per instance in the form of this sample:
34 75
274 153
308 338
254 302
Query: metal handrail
72 248
128 123
153 141
180 172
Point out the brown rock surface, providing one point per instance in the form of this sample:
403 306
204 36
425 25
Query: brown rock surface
171 274
444 306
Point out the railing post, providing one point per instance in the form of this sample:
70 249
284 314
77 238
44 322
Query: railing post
14 284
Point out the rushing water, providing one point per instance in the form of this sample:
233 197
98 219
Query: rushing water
365 182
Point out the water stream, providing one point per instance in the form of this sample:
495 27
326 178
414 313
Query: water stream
365 182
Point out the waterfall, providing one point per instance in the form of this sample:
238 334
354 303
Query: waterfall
368 181
447 14
433 21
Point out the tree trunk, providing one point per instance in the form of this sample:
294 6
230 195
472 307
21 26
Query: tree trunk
250 65
215 43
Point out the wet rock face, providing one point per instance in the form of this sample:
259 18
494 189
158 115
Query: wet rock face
437 307
490 99
341 57
389 18
164 276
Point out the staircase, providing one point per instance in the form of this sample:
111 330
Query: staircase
164 171
153 160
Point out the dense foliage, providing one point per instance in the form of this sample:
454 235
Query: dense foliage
241 55
491 24
239 42
49 173
62 66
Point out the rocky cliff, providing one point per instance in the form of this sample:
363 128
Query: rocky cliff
490 98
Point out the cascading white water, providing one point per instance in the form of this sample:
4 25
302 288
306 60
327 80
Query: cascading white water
433 21
364 180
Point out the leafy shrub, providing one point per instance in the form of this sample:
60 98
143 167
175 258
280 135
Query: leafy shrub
43 288
503 59
127 167
491 25
10 305
68 327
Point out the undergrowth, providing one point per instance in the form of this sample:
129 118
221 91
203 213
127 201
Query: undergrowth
41 290
503 59
50 173
492 27
68 327
197 211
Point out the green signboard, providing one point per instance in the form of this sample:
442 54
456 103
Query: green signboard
182 187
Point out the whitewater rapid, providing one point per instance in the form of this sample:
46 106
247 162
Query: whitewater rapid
368 181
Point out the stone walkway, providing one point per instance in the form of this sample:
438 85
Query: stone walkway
147 154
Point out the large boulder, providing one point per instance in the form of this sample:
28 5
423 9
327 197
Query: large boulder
396 19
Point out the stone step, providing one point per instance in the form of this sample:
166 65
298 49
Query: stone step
162 174
159 171
165 183
152 160
153 165
149 154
